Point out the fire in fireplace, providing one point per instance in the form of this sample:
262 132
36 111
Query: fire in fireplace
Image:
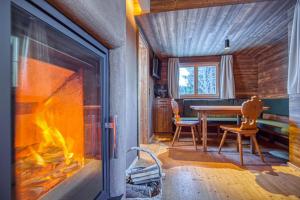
57 106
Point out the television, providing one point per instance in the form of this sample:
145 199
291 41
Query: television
156 68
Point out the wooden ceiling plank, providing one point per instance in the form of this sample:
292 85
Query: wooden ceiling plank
171 5
172 32
201 32
219 21
157 31
270 35
242 36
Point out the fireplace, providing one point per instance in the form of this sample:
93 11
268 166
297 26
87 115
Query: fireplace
58 108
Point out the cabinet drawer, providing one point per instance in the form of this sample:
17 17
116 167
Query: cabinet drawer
163 101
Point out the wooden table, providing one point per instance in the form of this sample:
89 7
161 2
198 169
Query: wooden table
204 111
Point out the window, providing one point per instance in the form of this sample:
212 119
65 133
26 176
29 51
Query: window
199 80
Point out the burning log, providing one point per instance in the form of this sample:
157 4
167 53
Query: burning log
71 167
36 191
54 157
35 181
41 170
31 192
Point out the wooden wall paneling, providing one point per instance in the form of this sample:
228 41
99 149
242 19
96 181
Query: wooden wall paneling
273 71
245 75
199 59
163 72
294 137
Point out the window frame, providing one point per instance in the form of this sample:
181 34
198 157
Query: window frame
196 65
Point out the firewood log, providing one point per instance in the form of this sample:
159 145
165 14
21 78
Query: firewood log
35 181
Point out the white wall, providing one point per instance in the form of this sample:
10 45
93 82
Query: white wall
132 83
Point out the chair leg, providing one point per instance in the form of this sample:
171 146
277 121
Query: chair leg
257 148
175 134
194 139
198 128
240 149
178 135
222 141
179 132
237 143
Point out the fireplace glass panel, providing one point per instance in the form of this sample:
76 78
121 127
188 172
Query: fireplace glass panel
57 106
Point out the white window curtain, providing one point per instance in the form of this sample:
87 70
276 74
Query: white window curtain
227 86
173 77
294 54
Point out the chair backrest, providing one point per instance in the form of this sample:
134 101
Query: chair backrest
175 109
251 110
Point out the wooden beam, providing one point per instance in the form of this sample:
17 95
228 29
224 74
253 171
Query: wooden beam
170 5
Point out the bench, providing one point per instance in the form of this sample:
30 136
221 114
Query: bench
274 122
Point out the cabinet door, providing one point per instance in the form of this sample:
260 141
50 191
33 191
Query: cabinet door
156 117
168 118
164 118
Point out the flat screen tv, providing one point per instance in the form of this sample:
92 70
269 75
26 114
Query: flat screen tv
156 68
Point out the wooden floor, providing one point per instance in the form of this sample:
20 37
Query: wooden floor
192 175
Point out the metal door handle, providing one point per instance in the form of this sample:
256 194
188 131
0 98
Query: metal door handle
113 125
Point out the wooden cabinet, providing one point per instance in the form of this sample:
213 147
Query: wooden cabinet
162 115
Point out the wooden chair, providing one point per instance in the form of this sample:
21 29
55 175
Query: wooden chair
180 123
251 110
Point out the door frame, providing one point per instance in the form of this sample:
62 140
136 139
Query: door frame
143 90
57 20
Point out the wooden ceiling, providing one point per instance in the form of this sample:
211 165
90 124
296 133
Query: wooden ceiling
168 5
199 32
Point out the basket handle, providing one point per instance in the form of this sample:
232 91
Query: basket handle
151 154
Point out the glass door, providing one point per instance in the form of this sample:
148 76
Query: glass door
58 112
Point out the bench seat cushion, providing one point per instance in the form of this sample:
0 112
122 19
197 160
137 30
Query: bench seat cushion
211 119
279 127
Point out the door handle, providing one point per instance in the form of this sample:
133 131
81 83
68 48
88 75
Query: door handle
113 125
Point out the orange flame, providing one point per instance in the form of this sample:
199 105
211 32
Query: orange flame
39 159
52 137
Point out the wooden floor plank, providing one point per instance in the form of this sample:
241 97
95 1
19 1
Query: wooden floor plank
194 175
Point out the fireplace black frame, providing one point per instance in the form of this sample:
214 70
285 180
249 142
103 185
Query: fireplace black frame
54 18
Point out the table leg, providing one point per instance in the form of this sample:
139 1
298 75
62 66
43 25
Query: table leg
238 120
199 129
204 131
252 147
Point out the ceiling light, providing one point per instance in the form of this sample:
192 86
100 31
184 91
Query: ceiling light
227 44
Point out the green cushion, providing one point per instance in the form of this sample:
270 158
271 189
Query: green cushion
189 118
222 119
283 127
211 119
